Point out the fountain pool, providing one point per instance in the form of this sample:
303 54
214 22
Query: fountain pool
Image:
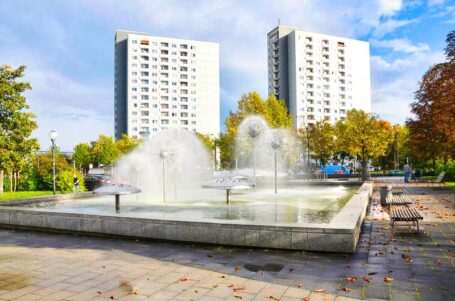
304 204
167 189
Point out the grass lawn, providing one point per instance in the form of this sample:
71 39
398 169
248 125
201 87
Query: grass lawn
22 194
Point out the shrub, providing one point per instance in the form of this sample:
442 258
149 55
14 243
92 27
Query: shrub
64 181
449 168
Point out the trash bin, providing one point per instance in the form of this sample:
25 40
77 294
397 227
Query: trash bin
385 192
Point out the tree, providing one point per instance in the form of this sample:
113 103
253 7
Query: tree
105 151
42 168
207 141
322 142
365 136
82 155
126 144
272 110
431 131
16 122
341 149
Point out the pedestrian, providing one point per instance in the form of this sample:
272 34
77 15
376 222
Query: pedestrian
407 172
76 187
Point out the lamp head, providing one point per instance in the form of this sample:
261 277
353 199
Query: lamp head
53 135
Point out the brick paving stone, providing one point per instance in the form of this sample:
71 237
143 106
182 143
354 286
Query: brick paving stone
65 267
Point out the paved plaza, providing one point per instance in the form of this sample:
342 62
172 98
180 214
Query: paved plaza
403 266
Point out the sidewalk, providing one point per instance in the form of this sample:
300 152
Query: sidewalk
43 266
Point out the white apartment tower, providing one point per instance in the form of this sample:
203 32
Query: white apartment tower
165 82
319 76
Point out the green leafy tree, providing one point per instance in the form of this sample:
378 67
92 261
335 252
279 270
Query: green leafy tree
126 144
105 151
322 142
65 181
82 155
365 136
16 122
341 149
42 169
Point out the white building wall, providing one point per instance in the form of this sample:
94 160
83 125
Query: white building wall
172 83
327 76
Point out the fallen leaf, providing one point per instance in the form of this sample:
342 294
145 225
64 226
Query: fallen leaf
238 297
351 279
367 279
388 279
300 285
222 276
99 293
184 279
346 289
373 273
208 255
236 289
306 299
291 269
112 297
319 290
274 298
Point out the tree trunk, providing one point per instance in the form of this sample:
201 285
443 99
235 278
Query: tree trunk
1 181
365 176
11 181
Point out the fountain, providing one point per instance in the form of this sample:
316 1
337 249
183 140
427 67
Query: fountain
177 197
170 160
117 190
253 127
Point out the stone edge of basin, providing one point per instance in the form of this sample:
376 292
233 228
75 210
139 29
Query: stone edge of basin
46 199
340 235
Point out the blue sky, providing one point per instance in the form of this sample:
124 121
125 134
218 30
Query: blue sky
68 47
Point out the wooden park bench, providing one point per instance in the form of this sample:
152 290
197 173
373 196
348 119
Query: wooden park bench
405 214
398 200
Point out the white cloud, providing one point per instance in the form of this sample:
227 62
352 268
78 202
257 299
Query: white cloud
394 82
78 111
82 110
390 7
390 25
432 3
401 45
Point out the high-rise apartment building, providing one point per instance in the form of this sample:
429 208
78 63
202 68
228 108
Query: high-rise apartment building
165 82
319 76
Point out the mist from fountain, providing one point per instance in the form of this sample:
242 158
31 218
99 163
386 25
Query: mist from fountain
257 145
170 165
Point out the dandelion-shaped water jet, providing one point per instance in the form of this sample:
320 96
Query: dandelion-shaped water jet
254 126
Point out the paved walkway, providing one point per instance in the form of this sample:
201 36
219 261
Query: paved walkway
405 266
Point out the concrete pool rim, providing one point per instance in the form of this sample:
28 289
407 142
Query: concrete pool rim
339 235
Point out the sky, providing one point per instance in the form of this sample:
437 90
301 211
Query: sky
68 48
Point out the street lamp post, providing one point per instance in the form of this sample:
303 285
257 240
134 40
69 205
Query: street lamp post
53 136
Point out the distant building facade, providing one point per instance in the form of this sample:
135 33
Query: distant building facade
165 82
319 76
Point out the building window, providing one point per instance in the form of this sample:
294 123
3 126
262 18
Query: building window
144 42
